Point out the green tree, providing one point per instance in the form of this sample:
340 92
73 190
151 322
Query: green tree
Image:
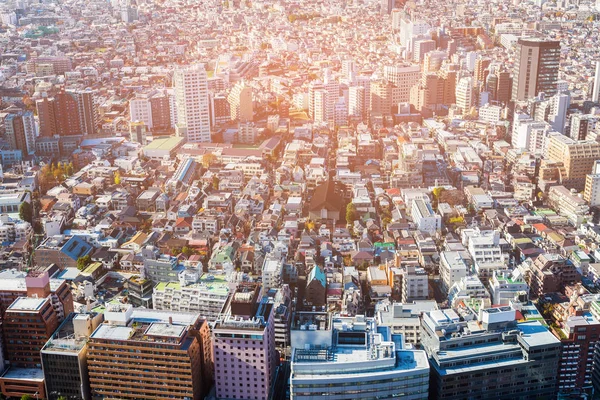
310 225
117 178
215 182
351 213
186 251
26 397
26 211
83 262
62 398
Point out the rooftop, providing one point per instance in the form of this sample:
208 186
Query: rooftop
27 304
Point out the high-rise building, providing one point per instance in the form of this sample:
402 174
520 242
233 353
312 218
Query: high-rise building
381 98
20 131
577 156
64 357
140 109
481 70
191 97
536 68
46 117
464 94
591 192
596 88
23 345
504 88
582 124
68 113
244 346
551 109
161 112
403 78
240 102
362 359
578 334
488 355
421 47
142 353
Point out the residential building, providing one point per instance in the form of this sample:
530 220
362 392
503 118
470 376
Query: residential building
141 353
240 102
191 96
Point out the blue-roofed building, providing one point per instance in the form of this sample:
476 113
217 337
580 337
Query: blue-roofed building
316 288
64 252
76 247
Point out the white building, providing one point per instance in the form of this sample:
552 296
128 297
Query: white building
484 247
468 289
191 98
464 94
504 286
453 268
425 218
362 361
140 109
404 318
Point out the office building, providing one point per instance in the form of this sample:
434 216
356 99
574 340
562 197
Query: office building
20 131
364 360
488 354
141 353
64 357
240 102
536 68
191 97
244 346
577 156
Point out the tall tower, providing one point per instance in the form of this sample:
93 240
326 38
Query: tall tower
191 99
596 89
536 68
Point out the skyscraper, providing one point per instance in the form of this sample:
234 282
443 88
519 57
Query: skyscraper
536 68
191 98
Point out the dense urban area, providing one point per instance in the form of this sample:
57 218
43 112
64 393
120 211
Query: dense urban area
299 199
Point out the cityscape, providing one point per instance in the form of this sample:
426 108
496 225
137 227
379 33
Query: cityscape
299 199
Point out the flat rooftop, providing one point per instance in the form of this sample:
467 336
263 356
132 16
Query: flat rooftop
27 304
26 374
165 330
164 143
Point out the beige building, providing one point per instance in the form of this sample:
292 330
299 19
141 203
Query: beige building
240 102
577 156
